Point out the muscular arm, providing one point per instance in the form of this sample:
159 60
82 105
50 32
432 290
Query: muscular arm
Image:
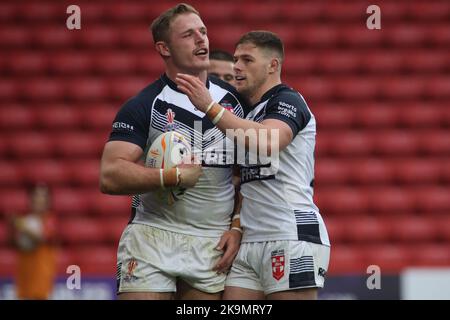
121 174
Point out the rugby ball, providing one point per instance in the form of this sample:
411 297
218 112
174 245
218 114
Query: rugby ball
167 151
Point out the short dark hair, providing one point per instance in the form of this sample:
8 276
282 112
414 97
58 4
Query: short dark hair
221 55
160 26
265 40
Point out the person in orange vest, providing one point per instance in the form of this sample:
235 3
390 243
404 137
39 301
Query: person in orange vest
34 237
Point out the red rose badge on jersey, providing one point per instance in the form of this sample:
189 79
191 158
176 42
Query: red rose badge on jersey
278 264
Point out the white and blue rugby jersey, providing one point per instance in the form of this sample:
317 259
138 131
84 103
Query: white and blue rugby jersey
278 199
205 209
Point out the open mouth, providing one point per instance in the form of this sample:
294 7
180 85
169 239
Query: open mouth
239 78
201 52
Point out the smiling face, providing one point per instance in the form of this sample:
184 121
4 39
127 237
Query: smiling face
252 69
188 44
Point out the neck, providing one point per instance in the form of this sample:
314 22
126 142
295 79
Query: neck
171 72
269 84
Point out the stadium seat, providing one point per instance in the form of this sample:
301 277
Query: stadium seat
435 142
64 258
9 90
14 36
377 115
71 62
443 227
253 12
99 36
399 88
10 174
124 88
213 12
149 63
29 144
53 36
421 115
426 61
411 229
391 259
225 36
331 171
8 11
50 172
59 117
337 229
43 89
13 201
396 142
428 10
438 87
433 199
391 200
376 61
7 262
368 229
39 12
77 231
317 36
431 255
97 260
346 260
416 171
353 36
438 35
299 62
136 37
348 143
109 205
343 201
317 89
71 201
356 88
98 116
370 171
115 63
301 11
339 62
79 144
85 172
16 117
129 12
406 35
87 89
4 234
114 228
29 63
331 116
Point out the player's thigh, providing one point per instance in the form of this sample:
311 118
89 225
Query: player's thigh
187 292
299 294
145 296
237 293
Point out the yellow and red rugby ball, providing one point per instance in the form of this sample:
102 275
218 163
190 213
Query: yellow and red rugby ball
167 151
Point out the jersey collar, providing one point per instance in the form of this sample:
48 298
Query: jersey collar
173 85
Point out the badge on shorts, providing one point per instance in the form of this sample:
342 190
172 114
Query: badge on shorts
277 264
132 264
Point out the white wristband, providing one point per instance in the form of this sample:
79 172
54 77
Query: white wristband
161 177
237 229
178 176
236 216
218 117
210 106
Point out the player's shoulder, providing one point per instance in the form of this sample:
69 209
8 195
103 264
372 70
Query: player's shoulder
223 84
231 91
286 94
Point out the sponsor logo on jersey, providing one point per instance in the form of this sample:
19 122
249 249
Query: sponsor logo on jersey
170 116
322 272
277 264
227 105
122 125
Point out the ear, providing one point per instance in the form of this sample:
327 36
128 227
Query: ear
274 65
162 48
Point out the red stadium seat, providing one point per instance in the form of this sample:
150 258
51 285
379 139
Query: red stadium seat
13 201
16 117
78 144
370 171
428 10
382 61
99 116
136 36
331 171
87 89
339 62
71 201
366 229
346 260
65 258
354 36
390 200
76 231
349 143
7 262
8 11
313 88
225 36
317 36
109 205
420 115
438 35
416 171
50 172
71 62
301 11
332 116
124 88
438 87
406 35
412 229
85 172
39 12
59 117
435 142
30 144
426 61
376 115
391 259
129 11
443 227
28 63
4 233
10 174
396 142
100 36
356 88
149 63
114 228
44 89
54 36
431 255
14 36
337 229
344 201
433 199
259 11
115 63
9 90
299 62
217 11
97 260
403 88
